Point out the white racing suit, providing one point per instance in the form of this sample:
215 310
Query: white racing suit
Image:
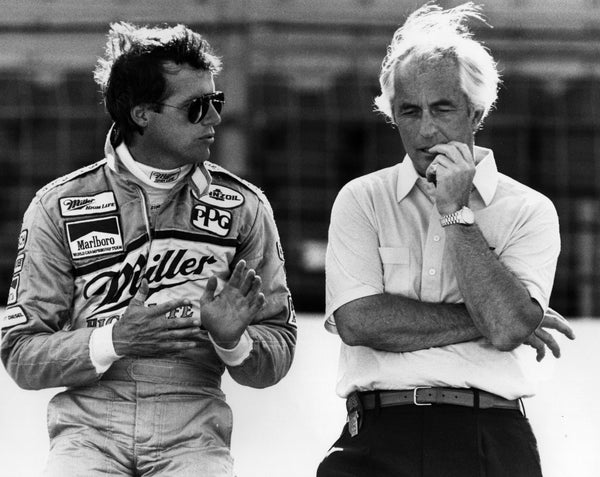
84 247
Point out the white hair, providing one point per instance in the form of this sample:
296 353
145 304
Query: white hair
431 32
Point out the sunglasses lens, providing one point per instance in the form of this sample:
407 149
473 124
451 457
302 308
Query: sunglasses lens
200 106
217 100
197 111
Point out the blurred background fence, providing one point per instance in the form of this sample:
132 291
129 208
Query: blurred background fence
300 77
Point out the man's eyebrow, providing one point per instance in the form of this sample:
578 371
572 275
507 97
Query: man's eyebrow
443 102
408 106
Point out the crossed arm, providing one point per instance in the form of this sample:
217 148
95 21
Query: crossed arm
497 305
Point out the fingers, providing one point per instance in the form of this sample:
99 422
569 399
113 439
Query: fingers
549 341
454 151
238 274
554 320
431 172
251 282
539 346
142 293
209 290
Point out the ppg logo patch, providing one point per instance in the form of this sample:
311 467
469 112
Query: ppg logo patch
89 238
87 205
213 220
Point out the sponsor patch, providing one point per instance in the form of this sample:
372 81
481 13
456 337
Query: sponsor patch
213 220
164 178
22 239
19 263
224 197
12 316
89 238
88 204
280 251
291 312
13 291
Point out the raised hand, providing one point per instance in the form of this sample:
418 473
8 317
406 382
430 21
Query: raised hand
540 338
146 331
453 169
229 313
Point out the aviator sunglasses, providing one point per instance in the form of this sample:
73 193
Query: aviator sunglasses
198 108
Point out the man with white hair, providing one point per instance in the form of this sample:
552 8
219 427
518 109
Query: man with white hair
439 269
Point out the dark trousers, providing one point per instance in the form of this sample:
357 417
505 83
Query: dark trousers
436 441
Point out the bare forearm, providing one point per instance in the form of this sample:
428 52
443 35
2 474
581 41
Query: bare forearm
498 303
398 324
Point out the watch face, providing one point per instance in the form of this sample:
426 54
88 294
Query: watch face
468 216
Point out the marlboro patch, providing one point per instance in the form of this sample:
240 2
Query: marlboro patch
12 316
89 238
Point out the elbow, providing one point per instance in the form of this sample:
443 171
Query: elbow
505 343
23 381
522 324
348 332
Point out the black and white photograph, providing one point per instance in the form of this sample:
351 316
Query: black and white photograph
299 238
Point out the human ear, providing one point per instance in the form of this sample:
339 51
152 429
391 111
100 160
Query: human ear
476 115
139 115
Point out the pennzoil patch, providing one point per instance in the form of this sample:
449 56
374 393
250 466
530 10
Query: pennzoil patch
12 316
222 196
92 237
88 204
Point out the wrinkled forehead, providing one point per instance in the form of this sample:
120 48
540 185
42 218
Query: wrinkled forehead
418 76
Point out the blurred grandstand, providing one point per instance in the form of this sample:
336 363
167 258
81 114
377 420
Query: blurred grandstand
300 76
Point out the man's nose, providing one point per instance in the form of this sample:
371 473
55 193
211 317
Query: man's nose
427 126
212 118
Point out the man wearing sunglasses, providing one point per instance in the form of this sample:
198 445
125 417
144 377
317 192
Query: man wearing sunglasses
141 277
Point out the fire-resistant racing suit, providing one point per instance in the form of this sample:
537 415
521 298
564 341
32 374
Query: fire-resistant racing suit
86 243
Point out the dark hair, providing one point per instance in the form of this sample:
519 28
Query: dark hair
132 70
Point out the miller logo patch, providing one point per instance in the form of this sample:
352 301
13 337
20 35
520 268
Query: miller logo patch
89 238
212 220
87 205
13 290
22 239
13 316
223 197
164 177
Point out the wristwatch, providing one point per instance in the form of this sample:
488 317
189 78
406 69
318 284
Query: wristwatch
462 216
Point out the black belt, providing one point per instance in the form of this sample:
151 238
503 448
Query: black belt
424 396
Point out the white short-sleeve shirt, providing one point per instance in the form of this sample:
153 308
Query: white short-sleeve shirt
385 237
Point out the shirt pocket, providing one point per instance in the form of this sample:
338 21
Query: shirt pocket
396 269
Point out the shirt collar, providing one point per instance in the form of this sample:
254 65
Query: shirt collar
485 180
115 150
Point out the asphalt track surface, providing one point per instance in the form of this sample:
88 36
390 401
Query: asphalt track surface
285 430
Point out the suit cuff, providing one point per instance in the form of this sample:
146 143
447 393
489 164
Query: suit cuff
102 350
236 355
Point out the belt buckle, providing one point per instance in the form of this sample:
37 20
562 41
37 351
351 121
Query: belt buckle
417 403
